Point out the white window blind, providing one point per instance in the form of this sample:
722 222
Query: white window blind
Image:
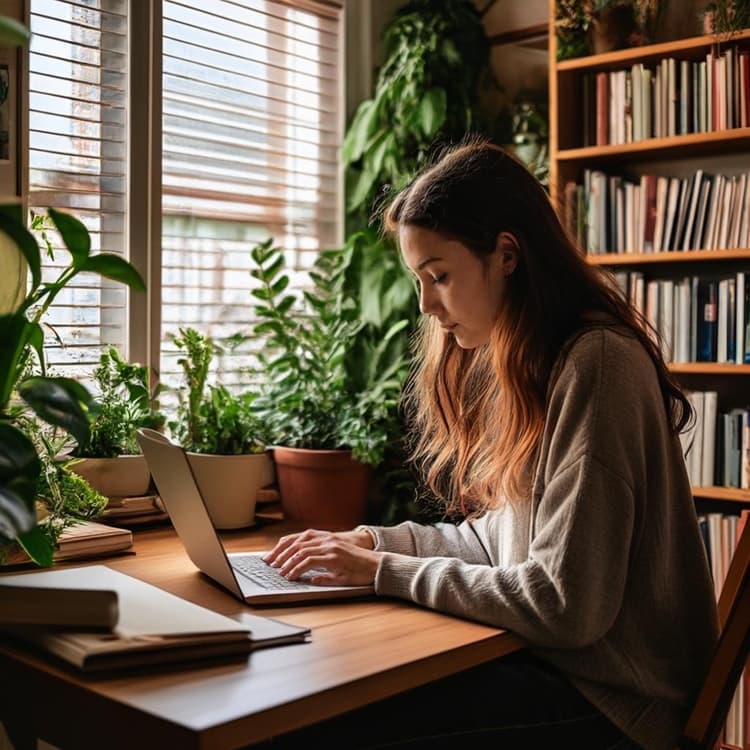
252 122
78 160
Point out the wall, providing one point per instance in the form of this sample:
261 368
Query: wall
12 267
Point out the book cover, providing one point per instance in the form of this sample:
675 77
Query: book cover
710 409
22 604
708 301
153 626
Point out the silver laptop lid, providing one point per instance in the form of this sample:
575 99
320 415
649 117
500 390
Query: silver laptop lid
175 482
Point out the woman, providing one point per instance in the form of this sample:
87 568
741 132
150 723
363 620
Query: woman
541 410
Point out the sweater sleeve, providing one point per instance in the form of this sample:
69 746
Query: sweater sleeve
568 591
440 540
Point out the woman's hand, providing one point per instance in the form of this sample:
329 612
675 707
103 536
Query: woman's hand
347 556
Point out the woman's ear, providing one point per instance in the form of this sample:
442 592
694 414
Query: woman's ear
507 250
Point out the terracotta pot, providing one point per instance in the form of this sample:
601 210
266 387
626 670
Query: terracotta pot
323 488
229 485
122 476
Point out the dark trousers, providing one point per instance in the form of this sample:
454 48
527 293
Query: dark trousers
515 702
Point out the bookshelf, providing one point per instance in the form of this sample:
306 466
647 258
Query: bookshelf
665 156
670 141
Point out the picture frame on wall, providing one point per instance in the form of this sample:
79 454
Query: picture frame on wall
9 98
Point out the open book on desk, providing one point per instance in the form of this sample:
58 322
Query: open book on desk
154 626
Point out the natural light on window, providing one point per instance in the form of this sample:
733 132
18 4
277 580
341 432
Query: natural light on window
78 162
251 127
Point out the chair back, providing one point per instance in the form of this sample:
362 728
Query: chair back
710 709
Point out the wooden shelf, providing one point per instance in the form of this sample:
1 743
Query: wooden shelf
647 52
654 148
669 256
731 494
708 368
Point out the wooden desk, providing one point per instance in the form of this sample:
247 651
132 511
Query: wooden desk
360 652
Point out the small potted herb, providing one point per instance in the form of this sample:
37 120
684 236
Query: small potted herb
326 428
111 460
221 435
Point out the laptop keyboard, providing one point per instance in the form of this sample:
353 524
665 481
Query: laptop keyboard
262 574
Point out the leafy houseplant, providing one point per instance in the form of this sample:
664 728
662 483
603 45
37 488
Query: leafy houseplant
110 459
222 436
585 26
60 402
726 17
429 91
309 402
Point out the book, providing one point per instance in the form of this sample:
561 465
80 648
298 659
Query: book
153 627
32 605
82 540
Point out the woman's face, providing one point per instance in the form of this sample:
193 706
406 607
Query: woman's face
455 286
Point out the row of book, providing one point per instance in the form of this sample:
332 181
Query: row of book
717 445
674 97
611 214
721 532
698 318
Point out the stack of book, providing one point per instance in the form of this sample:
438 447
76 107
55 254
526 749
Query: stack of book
99 620
133 511
83 539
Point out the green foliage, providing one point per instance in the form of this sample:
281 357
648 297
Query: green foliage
571 24
211 419
12 33
309 399
428 92
729 16
436 55
24 398
125 404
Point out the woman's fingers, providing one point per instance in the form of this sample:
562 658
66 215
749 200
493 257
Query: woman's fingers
285 547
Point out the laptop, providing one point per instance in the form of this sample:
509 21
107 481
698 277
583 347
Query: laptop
244 574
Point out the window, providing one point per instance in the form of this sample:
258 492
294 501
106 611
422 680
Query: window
251 129
252 119
78 160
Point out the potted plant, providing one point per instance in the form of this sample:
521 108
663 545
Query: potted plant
27 465
221 435
111 460
326 428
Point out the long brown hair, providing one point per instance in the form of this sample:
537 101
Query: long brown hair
476 416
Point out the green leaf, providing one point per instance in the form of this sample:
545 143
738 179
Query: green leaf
360 131
62 402
261 251
270 326
285 305
432 111
37 546
280 285
378 150
11 223
74 234
19 472
36 340
13 33
361 189
261 293
116 268
277 263
15 331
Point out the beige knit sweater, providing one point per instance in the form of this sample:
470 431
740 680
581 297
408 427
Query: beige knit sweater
602 570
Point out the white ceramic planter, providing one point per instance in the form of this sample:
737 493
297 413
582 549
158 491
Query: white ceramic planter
229 485
122 476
